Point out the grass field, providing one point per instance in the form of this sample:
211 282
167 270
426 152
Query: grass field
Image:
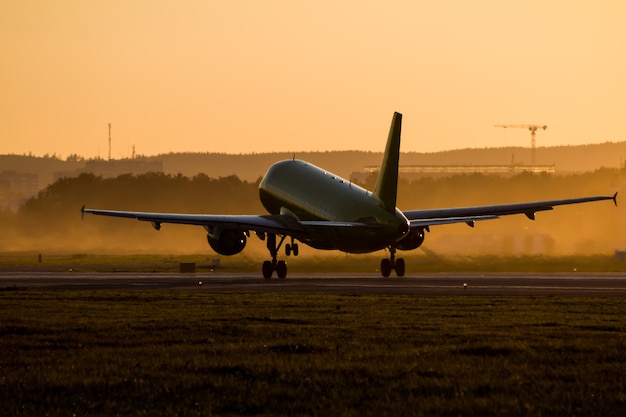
186 353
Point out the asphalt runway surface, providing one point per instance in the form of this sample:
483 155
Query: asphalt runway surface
574 284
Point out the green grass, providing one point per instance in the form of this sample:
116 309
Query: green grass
266 354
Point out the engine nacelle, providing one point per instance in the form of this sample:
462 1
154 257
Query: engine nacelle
412 240
226 241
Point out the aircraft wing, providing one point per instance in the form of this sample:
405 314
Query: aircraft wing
425 218
279 224
449 220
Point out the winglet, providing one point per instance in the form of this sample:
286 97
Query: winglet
387 182
615 199
82 213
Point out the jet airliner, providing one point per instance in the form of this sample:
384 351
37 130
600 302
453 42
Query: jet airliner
311 205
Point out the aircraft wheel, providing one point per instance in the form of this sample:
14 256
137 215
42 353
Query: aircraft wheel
400 267
385 267
267 269
294 249
281 269
288 249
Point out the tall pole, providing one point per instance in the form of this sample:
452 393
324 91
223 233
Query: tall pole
109 141
533 130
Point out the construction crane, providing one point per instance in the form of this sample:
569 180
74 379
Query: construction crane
533 130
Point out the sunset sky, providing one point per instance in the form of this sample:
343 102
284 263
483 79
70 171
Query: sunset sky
262 76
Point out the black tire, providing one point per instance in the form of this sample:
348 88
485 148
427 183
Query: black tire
268 269
294 249
281 269
385 267
400 267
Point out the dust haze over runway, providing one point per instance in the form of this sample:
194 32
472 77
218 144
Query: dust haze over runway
574 284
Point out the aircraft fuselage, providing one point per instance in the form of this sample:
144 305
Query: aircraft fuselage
311 194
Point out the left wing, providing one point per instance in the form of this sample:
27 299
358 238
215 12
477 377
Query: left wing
279 224
425 218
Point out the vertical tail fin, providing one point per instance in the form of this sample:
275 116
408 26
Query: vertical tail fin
387 181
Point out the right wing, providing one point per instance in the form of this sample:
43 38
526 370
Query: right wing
426 218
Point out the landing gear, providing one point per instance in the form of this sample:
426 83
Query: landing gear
281 269
275 265
387 265
291 248
268 269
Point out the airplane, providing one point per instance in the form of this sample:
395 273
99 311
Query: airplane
324 211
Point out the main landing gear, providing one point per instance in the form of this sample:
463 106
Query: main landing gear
275 265
387 265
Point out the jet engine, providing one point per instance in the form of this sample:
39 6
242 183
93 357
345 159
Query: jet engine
226 241
412 240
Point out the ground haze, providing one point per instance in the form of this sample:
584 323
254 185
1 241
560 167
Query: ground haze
51 222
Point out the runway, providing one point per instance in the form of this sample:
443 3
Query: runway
574 284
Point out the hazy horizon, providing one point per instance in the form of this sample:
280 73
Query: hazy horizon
122 156
243 77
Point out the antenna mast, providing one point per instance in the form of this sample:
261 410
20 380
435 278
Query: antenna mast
109 141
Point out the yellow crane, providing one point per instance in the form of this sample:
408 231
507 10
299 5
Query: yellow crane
533 130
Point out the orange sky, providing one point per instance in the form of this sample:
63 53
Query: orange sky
259 76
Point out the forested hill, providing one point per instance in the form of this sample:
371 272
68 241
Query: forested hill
567 159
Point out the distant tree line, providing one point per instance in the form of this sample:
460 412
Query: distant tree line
54 214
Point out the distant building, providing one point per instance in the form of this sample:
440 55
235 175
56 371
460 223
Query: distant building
418 171
16 188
